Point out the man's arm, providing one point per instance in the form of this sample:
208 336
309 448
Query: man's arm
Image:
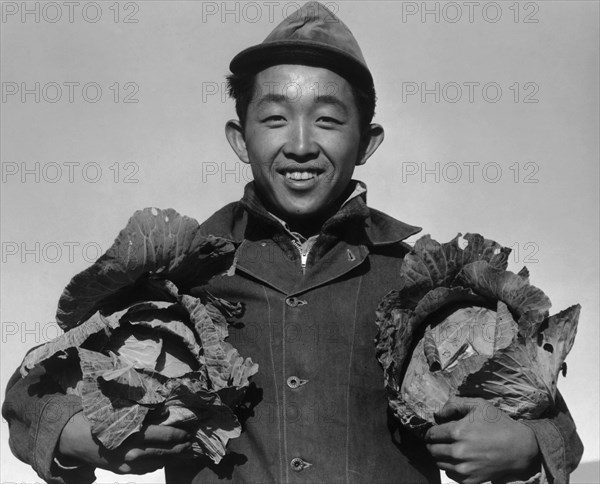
49 432
481 443
36 411
560 446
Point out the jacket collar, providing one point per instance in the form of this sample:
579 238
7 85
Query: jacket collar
343 244
377 227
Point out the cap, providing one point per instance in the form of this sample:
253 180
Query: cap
312 35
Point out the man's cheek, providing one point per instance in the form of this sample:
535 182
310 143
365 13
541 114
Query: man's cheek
329 177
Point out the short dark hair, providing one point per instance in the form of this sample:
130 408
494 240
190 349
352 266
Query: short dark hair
240 87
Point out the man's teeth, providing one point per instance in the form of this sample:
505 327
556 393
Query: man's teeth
300 175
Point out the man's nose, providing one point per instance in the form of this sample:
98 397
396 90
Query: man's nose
301 145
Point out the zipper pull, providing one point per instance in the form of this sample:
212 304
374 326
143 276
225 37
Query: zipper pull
303 259
303 255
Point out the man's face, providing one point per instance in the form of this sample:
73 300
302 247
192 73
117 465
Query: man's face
302 139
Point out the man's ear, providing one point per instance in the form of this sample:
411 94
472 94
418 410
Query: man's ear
371 138
235 135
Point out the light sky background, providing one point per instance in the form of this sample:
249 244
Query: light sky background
171 145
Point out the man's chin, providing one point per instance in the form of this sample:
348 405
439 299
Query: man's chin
301 212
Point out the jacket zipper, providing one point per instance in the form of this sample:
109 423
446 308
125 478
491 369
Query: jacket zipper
303 254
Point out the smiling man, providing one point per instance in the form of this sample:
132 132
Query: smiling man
303 135
312 263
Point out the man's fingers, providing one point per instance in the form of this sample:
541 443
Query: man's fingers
157 452
444 433
143 466
442 452
448 467
147 450
455 476
161 434
166 452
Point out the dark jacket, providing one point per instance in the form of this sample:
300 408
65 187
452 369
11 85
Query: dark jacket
316 412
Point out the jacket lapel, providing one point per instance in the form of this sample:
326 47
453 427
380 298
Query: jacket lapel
335 263
265 251
265 261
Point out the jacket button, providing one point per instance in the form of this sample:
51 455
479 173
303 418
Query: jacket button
297 464
294 301
295 382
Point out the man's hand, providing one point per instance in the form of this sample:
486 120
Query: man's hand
145 451
480 443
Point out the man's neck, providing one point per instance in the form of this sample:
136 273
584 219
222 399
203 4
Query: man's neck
308 226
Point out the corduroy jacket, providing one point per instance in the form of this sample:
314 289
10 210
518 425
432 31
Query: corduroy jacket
316 412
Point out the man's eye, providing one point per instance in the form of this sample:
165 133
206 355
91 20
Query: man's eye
274 120
328 121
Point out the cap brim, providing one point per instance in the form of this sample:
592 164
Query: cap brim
259 57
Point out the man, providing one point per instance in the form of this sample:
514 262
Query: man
312 263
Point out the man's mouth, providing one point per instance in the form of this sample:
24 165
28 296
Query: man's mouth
301 175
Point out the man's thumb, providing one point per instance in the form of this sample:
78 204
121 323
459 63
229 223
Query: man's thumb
454 409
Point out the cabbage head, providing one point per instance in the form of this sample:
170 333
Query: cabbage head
462 325
138 349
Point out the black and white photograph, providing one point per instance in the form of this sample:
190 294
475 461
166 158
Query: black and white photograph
283 242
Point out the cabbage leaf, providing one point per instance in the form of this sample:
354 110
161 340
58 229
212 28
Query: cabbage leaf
461 324
137 349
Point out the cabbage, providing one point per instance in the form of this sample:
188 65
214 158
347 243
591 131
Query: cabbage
460 324
138 350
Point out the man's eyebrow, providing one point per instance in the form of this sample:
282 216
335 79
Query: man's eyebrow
329 99
271 98
320 99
